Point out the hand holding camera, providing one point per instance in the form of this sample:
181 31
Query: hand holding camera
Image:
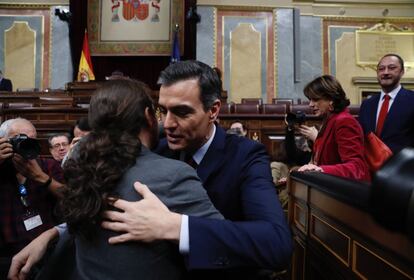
29 168
6 149
293 119
25 146
310 132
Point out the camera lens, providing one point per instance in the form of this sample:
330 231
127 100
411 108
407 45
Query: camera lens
25 146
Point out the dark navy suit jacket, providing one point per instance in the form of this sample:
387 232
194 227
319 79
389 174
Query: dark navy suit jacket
398 130
6 85
235 171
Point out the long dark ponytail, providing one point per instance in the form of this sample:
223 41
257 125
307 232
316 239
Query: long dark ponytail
116 116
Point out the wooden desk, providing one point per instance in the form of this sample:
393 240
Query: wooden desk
335 236
267 129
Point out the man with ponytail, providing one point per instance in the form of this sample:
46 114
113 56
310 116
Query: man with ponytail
103 167
235 171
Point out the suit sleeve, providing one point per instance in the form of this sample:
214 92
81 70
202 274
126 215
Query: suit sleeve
263 239
187 195
350 143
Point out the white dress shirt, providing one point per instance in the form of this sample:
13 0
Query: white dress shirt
184 245
392 95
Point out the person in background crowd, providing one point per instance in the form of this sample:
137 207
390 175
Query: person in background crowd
58 146
5 84
238 128
107 162
80 130
390 114
27 187
339 147
116 75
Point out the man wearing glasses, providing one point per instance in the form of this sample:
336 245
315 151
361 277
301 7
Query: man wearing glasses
58 146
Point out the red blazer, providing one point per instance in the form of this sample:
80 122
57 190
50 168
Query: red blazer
339 148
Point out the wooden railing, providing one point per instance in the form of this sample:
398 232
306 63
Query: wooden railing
60 109
335 236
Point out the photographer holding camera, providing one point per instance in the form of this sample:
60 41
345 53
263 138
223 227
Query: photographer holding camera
26 188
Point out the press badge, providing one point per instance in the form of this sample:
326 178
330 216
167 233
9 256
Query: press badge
31 221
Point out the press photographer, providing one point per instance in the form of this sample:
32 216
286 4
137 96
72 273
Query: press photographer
294 150
28 188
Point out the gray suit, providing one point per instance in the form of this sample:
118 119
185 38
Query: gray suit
178 187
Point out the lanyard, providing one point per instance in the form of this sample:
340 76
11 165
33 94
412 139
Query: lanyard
23 195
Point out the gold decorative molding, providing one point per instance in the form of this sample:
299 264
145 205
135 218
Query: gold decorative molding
356 244
20 54
245 62
215 40
371 43
28 6
244 8
297 210
386 27
346 237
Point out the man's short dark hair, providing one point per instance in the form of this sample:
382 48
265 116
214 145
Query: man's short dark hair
83 124
397 56
208 80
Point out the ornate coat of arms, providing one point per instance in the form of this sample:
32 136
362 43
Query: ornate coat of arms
135 9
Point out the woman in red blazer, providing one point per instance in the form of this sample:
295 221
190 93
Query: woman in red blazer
339 147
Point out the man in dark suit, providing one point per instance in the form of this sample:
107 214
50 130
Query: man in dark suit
234 170
390 114
5 84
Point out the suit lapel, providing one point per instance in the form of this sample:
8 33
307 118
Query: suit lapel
214 157
373 116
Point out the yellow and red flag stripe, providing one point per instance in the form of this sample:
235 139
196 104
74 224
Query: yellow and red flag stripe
85 72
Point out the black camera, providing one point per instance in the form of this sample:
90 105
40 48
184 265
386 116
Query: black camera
25 146
295 118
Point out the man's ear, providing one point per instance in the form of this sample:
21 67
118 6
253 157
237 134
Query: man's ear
214 110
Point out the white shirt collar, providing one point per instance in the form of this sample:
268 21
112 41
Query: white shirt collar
199 155
392 94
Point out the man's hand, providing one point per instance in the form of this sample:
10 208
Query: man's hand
29 169
6 149
74 141
309 132
23 262
145 220
310 167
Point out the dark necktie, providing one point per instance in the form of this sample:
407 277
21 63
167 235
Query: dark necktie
382 114
190 161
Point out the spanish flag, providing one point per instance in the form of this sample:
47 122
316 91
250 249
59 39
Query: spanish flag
85 72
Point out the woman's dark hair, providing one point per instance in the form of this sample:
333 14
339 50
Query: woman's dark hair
327 87
116 116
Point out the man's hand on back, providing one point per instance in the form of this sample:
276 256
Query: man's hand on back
145 220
